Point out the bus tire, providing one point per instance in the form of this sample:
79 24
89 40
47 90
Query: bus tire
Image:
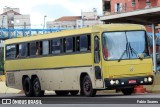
127 91
87 88
37 88
62 93
27 87
74 93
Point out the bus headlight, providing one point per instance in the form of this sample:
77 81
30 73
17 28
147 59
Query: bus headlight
112 82
149 79
145 79
117 82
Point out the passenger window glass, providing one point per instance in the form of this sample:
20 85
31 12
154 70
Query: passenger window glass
45 47
83 43
11 51
69 44
56 46
22 50
96 50
33 48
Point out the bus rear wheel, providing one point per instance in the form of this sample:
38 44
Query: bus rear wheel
87 88
127 91
37 88
73 93
62 93
27 87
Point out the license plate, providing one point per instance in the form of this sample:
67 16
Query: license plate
132 81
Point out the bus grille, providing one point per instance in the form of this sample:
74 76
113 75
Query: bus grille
11 78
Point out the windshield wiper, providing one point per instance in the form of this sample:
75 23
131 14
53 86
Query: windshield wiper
133 51
125 51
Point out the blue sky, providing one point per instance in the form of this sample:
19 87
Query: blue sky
53 9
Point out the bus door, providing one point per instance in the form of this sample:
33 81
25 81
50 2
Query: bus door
97 61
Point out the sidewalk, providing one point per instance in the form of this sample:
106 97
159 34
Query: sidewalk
155 87
4 89
7 90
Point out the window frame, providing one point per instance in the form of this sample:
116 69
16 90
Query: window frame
133 3
63 52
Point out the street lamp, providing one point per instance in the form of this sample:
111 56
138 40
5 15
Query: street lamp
83 21
44 23
2 21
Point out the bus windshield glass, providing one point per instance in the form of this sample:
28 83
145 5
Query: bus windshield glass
124 45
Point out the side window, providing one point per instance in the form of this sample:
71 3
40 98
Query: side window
83 43
56 46
35 48
32 48
11 51
22 50
45 47
69 44
96 50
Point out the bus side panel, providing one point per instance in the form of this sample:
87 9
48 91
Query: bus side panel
67 78
53 79
13 80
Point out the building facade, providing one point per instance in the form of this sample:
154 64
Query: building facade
12 18
119 6
73 22
111 7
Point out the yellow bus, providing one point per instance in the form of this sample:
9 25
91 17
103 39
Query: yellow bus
101 57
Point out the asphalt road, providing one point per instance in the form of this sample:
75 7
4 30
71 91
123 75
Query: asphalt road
101 100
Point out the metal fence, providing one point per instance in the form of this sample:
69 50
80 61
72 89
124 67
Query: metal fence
14 33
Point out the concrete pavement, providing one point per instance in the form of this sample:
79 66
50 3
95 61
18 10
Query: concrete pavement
2 78
155 88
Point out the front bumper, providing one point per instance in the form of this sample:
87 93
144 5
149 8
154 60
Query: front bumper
118 83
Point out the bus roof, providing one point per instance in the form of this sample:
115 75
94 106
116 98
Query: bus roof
95 28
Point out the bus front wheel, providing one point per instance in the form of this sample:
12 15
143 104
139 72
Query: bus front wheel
27 87
86 88
127 91
37 88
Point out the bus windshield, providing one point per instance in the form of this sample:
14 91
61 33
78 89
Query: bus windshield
124 45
